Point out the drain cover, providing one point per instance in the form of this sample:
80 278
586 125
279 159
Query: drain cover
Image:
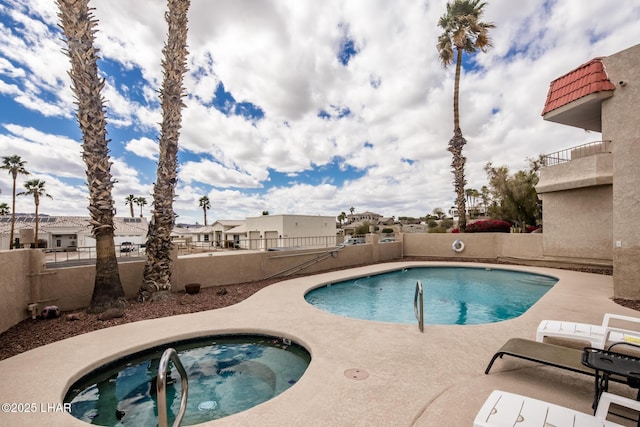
356 374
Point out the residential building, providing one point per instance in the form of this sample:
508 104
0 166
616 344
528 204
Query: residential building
591 193
214 234
69 232
269 231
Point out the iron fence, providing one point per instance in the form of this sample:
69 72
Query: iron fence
131 251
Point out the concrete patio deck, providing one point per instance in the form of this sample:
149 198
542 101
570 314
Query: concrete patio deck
435 378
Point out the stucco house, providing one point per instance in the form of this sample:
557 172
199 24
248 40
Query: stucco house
213 234
69 232
591 193
286 231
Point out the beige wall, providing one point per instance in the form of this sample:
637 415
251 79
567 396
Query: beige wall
578 223
294 225
70 288
15 286
490 246
620 124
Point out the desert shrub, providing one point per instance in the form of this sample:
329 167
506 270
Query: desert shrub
387 231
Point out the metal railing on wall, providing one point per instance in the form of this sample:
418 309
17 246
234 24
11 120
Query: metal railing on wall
579 151
87 254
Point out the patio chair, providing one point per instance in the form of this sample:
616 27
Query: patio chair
597 335
503 409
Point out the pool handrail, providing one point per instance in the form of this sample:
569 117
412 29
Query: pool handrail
418 307
171 354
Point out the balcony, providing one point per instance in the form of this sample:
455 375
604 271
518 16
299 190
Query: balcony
585 165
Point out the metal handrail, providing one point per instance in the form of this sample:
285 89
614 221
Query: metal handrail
171 354
418 306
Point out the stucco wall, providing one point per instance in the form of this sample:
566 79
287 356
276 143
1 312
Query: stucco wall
27 279
71 288
14 286
293 225
620 124
578 223
489 246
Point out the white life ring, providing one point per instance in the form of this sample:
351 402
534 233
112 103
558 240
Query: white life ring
458 246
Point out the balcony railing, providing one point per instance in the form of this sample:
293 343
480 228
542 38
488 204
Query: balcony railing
584 150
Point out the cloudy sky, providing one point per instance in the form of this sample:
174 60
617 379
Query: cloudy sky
297 106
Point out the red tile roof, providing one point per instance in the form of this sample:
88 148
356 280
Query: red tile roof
588 78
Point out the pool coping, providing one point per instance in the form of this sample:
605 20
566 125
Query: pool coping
413 379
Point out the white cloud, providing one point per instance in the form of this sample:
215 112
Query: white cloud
281 56
143 147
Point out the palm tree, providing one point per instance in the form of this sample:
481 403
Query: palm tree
157 270
140 201
463 32
79 27
130 200
4 209
35 188
205 204
15 165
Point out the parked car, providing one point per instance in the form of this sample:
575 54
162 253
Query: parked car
386 240
354 241
126 247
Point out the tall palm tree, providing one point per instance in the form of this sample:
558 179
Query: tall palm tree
15 165
205 204
130 200
4 209
463 32
157 270
140 201
35 188
79 28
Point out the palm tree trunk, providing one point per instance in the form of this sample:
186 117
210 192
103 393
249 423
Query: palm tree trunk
13 212
456 91
79 27
35 238
157 270
455 148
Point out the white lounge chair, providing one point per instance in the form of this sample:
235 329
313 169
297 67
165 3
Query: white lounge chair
503 409
597 335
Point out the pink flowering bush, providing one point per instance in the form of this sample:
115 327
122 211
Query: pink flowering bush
488 226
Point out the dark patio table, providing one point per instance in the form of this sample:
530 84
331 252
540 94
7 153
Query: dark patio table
607 363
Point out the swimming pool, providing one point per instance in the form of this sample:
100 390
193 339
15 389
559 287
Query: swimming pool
227 375
452 295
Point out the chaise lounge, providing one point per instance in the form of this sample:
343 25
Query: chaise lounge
502 409
597 335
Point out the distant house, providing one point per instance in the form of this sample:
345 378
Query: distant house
591 193
269 231
215 234
69 232
372 217
355 221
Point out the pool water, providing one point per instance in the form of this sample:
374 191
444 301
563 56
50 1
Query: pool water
227 375
452 295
